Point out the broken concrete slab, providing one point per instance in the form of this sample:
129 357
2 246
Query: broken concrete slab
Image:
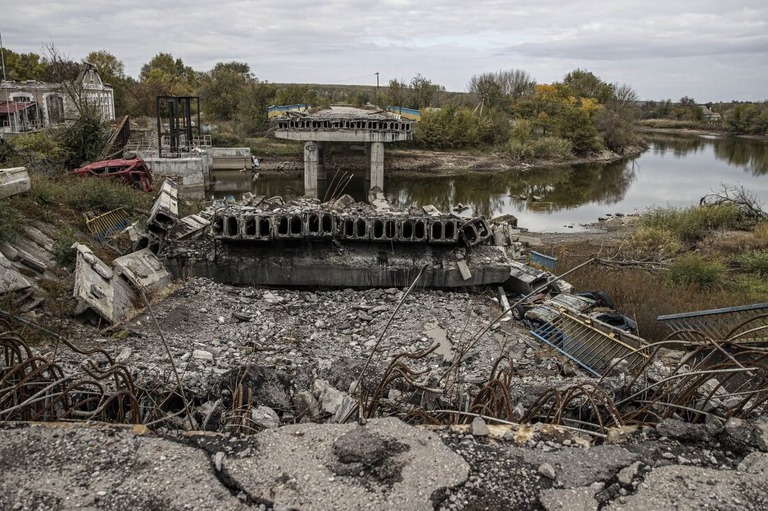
582 467
10 279
13 181
165 211
96 289
686 488
115 299
381 465
189 228
145 272
63 466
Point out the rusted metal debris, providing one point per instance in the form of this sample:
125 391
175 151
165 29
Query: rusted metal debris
34 388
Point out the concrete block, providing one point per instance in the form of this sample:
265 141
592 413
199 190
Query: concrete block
13 181
464 269
165 210
10 279
144 271
189 227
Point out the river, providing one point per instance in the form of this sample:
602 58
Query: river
677 170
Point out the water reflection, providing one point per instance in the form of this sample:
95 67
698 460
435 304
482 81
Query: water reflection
677 171
750 154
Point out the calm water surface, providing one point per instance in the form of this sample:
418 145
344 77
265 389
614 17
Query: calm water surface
677 170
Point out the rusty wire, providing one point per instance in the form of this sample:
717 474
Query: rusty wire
493 398
396 370
36 389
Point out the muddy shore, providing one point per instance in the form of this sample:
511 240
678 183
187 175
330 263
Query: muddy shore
424 163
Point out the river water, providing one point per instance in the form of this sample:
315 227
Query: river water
676 170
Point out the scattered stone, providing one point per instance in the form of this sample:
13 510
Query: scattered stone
265 417
206 356
547 471
479 427
626 475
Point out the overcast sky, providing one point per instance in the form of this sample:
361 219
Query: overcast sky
709 50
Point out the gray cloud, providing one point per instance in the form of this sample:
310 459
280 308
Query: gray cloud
706 49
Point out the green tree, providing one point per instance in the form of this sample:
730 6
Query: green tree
397 93
251 115
423 93
223 87
584 84
161 76
296 95
24 66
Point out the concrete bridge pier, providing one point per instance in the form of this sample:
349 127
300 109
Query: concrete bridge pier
376 164
311 164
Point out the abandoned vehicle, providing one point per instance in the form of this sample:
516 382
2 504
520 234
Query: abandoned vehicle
135 172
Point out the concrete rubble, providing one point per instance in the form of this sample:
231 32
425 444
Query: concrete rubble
13 181
305 397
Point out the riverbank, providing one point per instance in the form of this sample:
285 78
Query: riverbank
424 163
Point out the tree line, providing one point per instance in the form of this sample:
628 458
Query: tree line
506 110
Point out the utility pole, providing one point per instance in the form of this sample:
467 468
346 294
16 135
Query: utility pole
377 88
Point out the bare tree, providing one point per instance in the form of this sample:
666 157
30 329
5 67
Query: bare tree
738 196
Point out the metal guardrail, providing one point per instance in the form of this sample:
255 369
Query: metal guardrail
589 343
104 226
744 321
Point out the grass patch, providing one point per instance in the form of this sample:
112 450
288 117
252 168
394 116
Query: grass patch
755 261
654 243
62 251
87 193
694 269
265 147
9 220
692 224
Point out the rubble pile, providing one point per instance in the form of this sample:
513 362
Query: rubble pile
257 380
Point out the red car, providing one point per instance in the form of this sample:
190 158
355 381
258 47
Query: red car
134 172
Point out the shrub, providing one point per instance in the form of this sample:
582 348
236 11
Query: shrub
695 269
755 261
692 224
654 243
85 193
62 251
9 220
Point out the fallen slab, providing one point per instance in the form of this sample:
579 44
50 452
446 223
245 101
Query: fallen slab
384 464
58 466
13 181
685 488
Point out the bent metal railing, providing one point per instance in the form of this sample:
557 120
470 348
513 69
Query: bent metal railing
591 344
720 324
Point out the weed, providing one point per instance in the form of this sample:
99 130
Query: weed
755 261
9 221
62 251
694 269
87 193
692 224
654 243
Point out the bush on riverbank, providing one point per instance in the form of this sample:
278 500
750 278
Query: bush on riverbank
678 260
692 224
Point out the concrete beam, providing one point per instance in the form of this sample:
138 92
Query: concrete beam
376 165
311 160
360 136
